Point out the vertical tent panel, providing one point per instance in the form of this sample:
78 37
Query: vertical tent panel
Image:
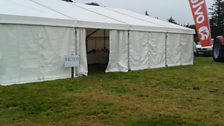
55 43
9 54
147 50
29 54
174 49
157 50
81 51
139 50
118 57
187 56
34 53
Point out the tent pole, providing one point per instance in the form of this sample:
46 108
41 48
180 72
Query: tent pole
104 39
166 50
129 51
72 72
76 53
87 45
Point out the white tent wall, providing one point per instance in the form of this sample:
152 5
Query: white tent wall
179 49
139 50
81 51
9 65
118 57
55 43
173 49
157 50
36 53
187 49
147 50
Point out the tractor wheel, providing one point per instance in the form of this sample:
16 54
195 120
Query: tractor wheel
218 51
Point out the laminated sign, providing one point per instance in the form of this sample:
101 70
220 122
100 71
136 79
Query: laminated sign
71 61
200 14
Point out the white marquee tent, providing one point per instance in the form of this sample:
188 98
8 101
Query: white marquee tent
35 35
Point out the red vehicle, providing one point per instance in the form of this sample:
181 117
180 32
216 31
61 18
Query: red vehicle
218 49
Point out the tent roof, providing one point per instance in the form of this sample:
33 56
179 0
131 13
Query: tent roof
84 18
162 23
60 13
27 12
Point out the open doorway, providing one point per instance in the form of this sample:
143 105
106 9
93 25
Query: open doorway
97 46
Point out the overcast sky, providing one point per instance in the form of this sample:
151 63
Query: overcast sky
163 9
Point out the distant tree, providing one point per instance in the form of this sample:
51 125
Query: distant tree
68 0
93 3
172 20
217 18
146 13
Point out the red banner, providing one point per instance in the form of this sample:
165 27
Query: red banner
200 14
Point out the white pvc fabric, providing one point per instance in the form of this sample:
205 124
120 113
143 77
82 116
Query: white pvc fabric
36 53
179 49
118 57
147 50
157 50
81 51
143 50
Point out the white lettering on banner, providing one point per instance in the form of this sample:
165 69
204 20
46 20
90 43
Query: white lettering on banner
204 32
198 4
194 1
200 18
71 61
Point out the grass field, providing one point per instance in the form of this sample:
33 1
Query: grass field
189 95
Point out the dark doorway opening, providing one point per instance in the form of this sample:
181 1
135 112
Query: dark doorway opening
97 46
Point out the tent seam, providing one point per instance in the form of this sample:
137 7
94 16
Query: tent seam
132 16
101 14
52 9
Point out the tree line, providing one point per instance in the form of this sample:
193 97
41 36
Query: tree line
217 18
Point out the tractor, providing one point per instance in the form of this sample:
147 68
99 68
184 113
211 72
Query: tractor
218 49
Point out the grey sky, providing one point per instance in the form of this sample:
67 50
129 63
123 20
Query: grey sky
163 9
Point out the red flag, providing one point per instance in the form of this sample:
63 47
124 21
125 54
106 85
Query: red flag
200 14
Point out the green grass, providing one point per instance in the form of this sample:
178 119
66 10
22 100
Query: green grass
188 96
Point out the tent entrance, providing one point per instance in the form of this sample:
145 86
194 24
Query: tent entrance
97 46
